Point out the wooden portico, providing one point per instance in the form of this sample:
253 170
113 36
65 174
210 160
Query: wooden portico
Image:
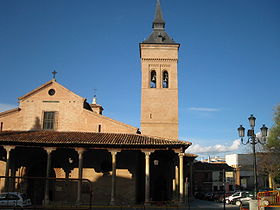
130 168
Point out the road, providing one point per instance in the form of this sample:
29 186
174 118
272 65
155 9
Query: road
204 205
194 205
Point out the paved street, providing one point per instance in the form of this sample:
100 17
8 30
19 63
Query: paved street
202 204
196 204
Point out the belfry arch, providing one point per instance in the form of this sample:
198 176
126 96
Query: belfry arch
165 79
153 79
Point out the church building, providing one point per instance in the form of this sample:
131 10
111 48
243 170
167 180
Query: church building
58 148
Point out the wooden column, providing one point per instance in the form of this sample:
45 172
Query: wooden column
147 177
49 151
80 152
177 182
13 181
181 177
173 189
113 186
191 182
7 181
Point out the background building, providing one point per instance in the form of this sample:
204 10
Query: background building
212 177
244 175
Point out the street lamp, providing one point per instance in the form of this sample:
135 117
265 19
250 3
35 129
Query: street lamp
253 139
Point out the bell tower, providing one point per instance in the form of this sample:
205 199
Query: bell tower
159 93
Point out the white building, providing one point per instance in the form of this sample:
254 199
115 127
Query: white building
243 164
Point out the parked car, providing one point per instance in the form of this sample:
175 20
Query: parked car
209 196
235 196
219 196
199 195
14 199
243 200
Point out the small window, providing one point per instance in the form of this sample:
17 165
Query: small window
99 128
51 92
165 79
49 121
153 82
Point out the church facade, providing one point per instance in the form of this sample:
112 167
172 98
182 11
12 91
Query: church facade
55 137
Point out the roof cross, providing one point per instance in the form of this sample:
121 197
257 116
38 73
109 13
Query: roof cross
54 73
94 92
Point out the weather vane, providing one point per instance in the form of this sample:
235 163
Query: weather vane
54 73
94 92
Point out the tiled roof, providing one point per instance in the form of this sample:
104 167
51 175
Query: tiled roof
191 155
10 111
212 166
118 140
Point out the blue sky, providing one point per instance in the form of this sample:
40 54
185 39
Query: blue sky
229 59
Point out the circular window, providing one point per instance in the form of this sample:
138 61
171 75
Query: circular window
51 92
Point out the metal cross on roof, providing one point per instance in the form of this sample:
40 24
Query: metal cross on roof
54 73
94 92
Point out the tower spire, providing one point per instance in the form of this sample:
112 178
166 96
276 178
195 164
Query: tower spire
158 22
159 35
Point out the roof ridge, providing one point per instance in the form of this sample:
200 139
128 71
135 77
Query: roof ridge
50 82
108 118
9 111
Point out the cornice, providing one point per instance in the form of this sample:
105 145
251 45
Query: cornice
160 59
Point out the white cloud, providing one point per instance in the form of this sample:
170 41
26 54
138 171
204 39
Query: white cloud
204 109
5 107
218 148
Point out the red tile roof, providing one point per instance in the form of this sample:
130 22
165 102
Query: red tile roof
212 166
111 140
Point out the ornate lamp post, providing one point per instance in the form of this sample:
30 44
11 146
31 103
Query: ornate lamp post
253 139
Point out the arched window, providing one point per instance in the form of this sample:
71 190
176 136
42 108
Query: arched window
153 82
165 79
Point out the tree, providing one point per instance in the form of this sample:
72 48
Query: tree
274 133
269 161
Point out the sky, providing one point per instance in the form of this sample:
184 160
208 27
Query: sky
229 59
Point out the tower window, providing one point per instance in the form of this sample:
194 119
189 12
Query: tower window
99 128
165 79
49 121
153 82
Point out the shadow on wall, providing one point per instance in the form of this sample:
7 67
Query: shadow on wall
37 125
2 173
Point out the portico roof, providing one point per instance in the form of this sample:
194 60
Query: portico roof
87 139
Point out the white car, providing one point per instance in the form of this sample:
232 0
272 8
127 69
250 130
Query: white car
14 199
244 200
236 196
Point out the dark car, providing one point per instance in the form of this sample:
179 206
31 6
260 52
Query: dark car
14 199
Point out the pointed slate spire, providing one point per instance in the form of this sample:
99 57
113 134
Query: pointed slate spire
158 22
159 35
